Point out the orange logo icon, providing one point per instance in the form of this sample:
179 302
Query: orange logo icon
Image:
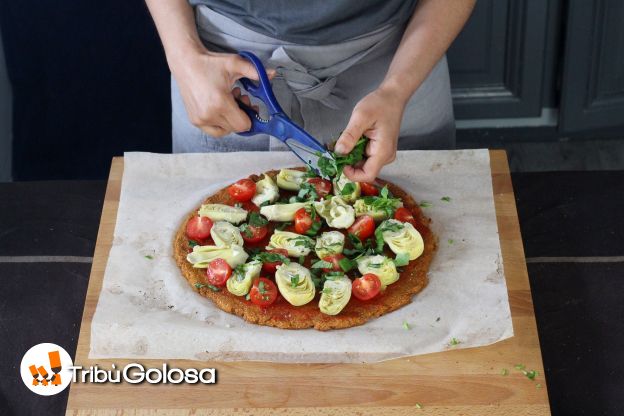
53 376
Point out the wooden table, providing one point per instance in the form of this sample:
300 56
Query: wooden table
466 382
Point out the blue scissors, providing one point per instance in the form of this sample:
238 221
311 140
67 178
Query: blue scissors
279 125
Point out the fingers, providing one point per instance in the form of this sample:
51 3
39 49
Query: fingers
358 124
240 67
367 172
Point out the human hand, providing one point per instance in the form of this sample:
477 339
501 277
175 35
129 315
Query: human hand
205 80
378 116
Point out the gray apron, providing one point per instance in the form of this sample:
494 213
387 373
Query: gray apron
318 86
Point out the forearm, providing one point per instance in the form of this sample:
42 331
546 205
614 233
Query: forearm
175 22
431 30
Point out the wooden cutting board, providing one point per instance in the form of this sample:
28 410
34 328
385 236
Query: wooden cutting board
466 382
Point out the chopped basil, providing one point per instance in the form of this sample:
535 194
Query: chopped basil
425 204
346 264
530 374
301 260
244 228
257 220
193 243
446 199
261 288
384 202
385 226
454 342
239 273
348 188
450 241
401 259
504 372
322 264
406 326
333 167
248 296
149 257
519 366
307 192
301 240
294 281
333 275
211 287
267 257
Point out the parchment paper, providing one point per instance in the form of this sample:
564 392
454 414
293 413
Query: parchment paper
147 309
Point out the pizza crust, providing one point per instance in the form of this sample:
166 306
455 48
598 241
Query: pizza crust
281 314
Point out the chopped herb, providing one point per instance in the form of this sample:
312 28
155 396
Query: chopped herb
348 189
538 386
310 173
248 296
375 265
384 202
257 220
322 264
302 241
454 342
530 374
267 257
425 204
346 264
301 260
265 203
193 243
406 326
211 287
401 259
283 225
244 228
307 192
504 372
261 288
519 366
149 257
238 205
359 248
333 275
333 167
385 226
239 272
326 290
450 241
446 199
293 199
418 406
294 281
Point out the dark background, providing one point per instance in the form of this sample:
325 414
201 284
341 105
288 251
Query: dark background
90 80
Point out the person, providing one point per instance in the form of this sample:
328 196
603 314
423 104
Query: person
339 69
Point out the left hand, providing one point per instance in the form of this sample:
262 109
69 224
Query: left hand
378 116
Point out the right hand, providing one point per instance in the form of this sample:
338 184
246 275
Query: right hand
205 81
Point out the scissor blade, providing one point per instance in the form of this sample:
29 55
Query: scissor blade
308 155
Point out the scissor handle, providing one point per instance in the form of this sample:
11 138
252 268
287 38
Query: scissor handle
263 89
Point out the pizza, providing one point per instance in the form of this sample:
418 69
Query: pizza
292 250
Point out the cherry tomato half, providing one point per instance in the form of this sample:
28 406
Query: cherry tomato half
404 215
366 287
303 221
243 190
335 260
270 267
254 234
322 186
369 189
218 272
250 206
263 292
198 228
363 227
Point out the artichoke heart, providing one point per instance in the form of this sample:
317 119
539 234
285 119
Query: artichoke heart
266 191
363 208
330 242
349 190
222 212
242 278
407 239
295 244
335 296
225 234
290 179
381 266
295 283
282 212
336 212
234 255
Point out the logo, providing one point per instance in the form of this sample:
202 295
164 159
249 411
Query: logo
45 369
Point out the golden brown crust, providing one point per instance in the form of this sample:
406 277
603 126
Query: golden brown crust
283 315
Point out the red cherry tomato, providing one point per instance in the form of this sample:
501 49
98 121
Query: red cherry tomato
404 215
254 234
363 227
322 186
242 190
270 267
250 206
303 221
198 228
218 272
366 287
369 189
335 260
263 292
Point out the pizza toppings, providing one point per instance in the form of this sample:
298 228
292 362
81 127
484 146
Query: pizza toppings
369 189
272 258
322 187
363 227
401 237
295 283
307 221
266 191
222 212
336 212
282 212
333 263
349 191
295 244
330 242
335 295
225 234
243 190
379 207
218 272
242 277
263 292
202 255
290 179
255 229
198 228
366 287
381 266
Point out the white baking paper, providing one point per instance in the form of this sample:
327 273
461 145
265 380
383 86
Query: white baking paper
147 309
